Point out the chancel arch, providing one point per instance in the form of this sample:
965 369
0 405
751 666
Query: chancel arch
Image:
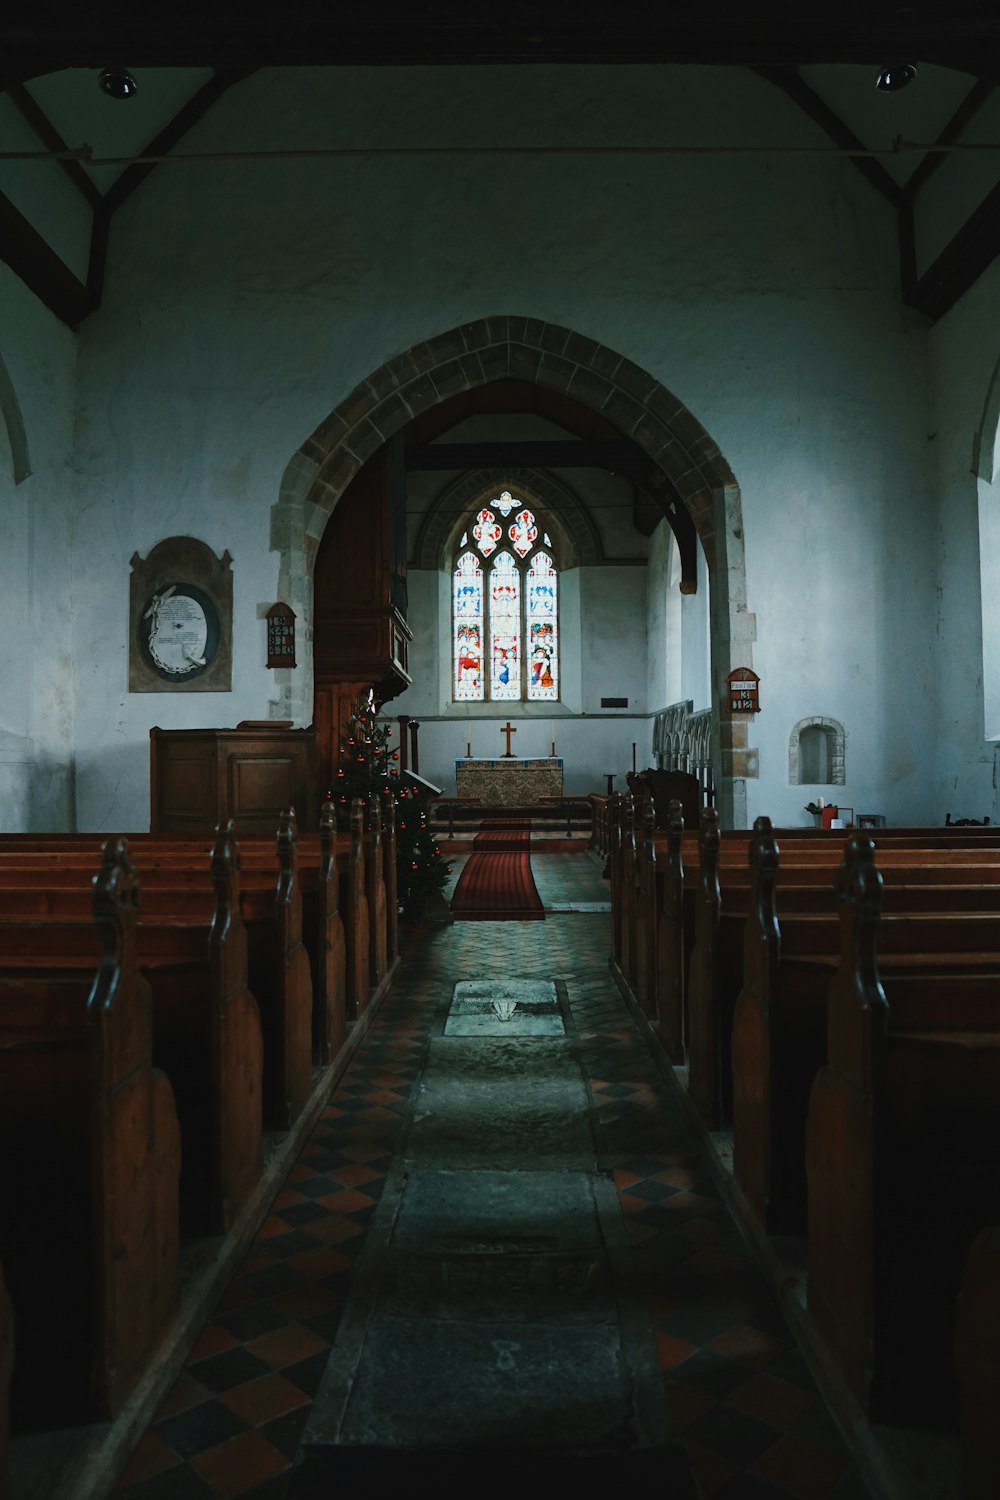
594 377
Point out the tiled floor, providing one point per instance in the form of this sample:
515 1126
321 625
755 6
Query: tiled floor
752 1421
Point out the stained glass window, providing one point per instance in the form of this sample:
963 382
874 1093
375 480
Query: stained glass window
523 533
486 532
505 628
467 619
505 607
543 628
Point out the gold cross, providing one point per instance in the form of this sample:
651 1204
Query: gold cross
508 729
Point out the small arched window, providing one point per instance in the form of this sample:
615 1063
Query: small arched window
505 608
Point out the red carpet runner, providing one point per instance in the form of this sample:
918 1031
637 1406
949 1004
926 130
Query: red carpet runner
497 884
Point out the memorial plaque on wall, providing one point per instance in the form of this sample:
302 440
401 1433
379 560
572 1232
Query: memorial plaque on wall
181 619
281 636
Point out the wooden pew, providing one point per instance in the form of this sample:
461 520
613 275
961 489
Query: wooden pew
172 860
806 888
903 1159
375 896
977 1366
780 1020
206 1022
7 1353
279 969
354 901
89 1233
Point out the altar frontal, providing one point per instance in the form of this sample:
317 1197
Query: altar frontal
509 783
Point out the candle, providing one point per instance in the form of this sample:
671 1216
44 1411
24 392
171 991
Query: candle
553 737
820 802
633 755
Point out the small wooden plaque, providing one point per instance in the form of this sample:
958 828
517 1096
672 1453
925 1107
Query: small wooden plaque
281 636
743 691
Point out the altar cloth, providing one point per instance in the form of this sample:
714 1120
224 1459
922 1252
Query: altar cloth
513 782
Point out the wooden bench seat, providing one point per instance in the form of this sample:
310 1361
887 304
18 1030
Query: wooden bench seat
336 891
206 1022
280 972
778 1035
903 1161
89 1233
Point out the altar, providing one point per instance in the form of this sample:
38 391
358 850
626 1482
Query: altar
509 782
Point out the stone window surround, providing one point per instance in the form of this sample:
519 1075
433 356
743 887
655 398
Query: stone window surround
838 752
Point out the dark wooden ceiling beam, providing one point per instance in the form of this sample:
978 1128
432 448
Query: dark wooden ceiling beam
254 34
32 259
165 140
840 134
620 457
956 127
31 111
617 456
511 397
962 261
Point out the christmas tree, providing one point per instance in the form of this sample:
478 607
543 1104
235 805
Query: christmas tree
368 769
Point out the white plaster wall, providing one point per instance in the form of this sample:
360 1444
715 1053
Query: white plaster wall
36 517
965 348
589 746
245 300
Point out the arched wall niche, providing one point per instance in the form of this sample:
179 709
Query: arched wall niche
527 349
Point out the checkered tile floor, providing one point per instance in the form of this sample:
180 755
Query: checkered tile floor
740 1394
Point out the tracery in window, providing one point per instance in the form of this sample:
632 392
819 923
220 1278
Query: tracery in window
509 599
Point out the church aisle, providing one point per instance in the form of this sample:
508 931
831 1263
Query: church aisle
739 1393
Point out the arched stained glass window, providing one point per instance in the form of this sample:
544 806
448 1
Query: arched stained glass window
467 610
505 607
543 628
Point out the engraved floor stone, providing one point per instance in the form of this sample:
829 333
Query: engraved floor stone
505 1007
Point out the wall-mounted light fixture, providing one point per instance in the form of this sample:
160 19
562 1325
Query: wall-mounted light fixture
891 80
117 83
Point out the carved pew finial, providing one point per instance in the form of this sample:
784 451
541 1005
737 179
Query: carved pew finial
288 833
764 857
116 910
225 873
856 999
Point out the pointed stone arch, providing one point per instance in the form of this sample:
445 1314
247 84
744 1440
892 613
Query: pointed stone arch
504 348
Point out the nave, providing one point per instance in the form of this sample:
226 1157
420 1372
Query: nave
731 1383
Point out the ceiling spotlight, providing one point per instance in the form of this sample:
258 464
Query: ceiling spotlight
117 83
891 80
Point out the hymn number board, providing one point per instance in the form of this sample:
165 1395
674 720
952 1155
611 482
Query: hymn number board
743 687
280 636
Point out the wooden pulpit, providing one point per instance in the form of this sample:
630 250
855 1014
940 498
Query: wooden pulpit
198 778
